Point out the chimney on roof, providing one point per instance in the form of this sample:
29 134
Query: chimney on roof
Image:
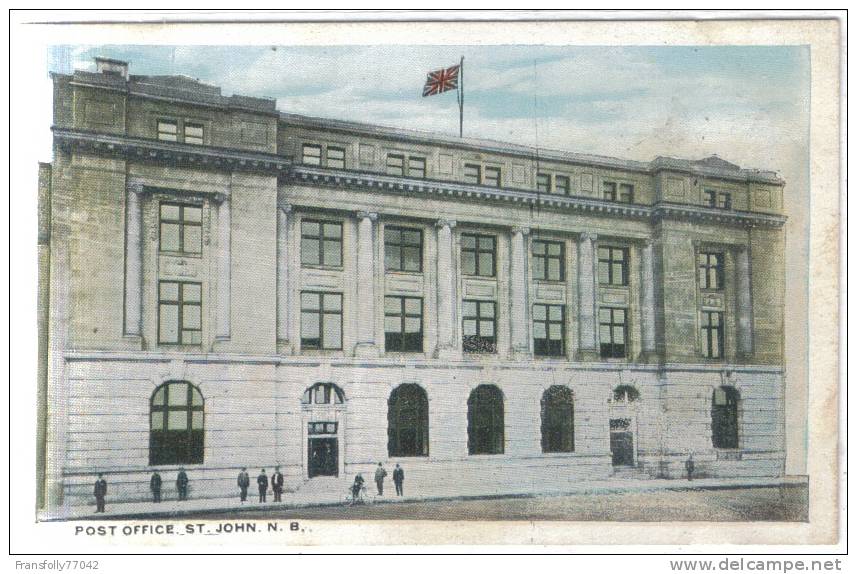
112 67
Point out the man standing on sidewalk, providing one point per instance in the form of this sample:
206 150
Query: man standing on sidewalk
380 473
688 466
181 484
262 481
155 486
100 493
277 484
243 483
399 479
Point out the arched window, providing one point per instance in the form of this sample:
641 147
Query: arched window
558 420
724 417
407 421
625 394
176 433
485 420
323 394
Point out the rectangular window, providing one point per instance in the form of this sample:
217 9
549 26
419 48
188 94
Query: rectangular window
403 324
562 185
472 173
403 249
492 176
710 267
608 190
395 164
180 228
336 157
612 331
626 193
478 255
479 327
548 260
311 154
168 130
549 330
613 266
321 243
543 182
711 324
179 313
416 167
193 134
321 320
322 427
724 200
718 199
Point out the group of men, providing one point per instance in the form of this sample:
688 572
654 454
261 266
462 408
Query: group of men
380 475
262 482
155 485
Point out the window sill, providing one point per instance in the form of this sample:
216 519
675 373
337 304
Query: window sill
490 277
548 281
323 267
180 347
180 254
395 272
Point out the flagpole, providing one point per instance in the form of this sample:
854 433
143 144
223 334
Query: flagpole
461 98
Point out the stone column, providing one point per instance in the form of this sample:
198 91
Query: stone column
647 301
224 268
744 303
283 211
133 259
586 290
366 346
518 293
446 345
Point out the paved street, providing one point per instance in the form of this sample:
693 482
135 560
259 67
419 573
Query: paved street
741 504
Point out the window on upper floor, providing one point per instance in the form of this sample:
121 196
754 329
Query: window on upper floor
543 182
311 154
416 166
180 228
403 249
608 190
411 166
710 266
622 193
403 324
321 243
168 130
492 176
395 164
321 320
548 260
179 313
478 255
612 265
479 322
613 332
336 157
562 185
711 336
718 199
193 133
548 330
472 173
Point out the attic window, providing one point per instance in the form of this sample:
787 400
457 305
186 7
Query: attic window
168 130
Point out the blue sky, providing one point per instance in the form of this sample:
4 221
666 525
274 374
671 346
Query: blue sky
749 104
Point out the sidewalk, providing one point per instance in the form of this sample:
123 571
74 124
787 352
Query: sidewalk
299 499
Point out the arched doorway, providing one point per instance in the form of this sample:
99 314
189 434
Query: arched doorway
323 407
623 422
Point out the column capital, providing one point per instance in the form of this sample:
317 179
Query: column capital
220 197
648 243
740 248
284 206
367 215
136 187
588 236
520 229
445 223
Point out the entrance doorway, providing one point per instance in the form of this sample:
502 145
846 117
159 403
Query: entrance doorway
622 442
323 457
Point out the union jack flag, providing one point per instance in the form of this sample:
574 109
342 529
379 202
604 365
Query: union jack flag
441 81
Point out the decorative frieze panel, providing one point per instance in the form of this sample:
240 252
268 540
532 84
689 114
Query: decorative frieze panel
179 267
550 292
321 279
712 301
614 297
480 288
406 284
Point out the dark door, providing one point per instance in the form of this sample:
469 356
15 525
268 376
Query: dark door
622 446
323 457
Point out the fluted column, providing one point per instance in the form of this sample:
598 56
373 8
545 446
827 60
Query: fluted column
224 268
586 290
518 294
283 211
446 345
133 259
744 303
366 346
647 301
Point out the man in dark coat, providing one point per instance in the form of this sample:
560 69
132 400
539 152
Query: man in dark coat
399 479
243 483
277 484
155 485
181 484
262 481
100 492
688 466
380 473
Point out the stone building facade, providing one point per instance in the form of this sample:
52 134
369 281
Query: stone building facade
227 285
